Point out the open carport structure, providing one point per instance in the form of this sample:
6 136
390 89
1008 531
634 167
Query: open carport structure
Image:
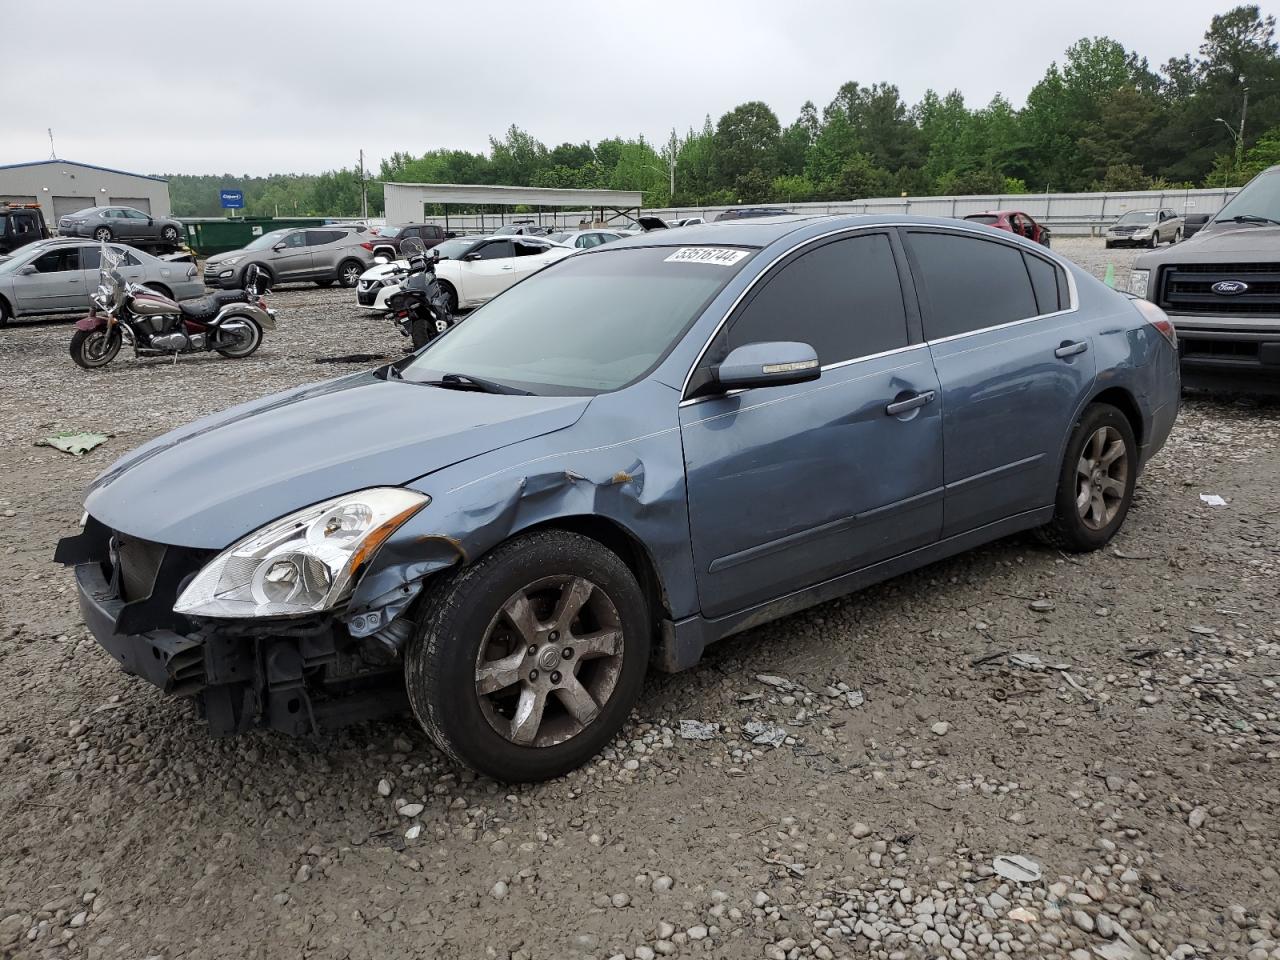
405 201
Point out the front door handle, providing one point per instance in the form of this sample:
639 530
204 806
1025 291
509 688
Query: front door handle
1071 349
910 403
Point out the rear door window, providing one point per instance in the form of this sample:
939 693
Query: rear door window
495 251
1045 283
318 238
58 261
843 298
968 283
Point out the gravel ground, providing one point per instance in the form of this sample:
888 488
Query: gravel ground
839 783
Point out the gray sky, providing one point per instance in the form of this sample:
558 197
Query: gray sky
290 86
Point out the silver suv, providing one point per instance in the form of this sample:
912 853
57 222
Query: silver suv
322 254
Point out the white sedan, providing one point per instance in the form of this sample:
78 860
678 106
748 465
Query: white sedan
471 270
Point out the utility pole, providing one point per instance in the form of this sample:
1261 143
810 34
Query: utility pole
53 154
1244 110
364 193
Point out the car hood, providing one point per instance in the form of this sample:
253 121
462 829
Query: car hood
380 270
211 482
1224 244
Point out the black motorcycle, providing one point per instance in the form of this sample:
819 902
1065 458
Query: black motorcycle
420 308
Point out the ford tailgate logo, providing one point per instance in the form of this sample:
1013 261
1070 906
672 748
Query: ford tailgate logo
1229 288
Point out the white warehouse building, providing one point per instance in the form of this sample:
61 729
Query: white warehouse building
63 186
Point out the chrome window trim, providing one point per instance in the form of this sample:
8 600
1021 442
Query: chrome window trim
1072 291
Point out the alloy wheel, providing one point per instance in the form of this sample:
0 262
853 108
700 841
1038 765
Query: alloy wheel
1102 477
550 660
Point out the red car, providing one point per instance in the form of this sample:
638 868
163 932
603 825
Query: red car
1015 221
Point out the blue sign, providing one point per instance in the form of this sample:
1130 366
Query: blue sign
232 199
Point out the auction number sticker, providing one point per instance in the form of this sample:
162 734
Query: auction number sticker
721 256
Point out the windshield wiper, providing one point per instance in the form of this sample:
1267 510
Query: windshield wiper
465 381
1250 218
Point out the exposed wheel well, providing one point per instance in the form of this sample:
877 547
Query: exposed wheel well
622 542
1123 401
6 310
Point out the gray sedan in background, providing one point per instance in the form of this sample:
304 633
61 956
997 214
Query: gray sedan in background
120 223
57 276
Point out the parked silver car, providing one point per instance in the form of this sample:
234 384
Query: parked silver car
1145 228
120 223
585 239
58 276
321 254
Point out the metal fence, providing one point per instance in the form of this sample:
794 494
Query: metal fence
1068 214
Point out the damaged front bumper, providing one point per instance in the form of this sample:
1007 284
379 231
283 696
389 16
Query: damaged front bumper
295 676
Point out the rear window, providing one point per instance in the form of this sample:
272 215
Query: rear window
983 218
969 283
1046 283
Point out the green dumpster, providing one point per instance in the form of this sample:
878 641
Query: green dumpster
210 235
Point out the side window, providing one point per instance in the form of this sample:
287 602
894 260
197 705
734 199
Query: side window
969 283
295 240
497 250
408 232
1045 283
843 299
91 258
130 260
318 238
58 261
23 223
526 249
135 214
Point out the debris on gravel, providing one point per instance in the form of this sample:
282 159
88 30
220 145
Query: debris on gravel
854 780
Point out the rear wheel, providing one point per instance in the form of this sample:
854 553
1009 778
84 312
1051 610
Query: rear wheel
4 312
238 337
95 348
102 234
1155 239
1095 487
529 661
349 273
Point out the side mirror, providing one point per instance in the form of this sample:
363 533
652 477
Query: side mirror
278 247
28 270
472 256
768 365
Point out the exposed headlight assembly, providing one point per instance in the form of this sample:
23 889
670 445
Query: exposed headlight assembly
1138 283
303 563
230 261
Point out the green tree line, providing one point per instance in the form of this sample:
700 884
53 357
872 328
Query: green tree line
1101 119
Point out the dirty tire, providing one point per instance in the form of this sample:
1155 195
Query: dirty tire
169 234
102 234
1068 530
440 662
91 349
4 313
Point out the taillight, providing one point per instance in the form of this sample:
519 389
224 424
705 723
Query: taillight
367 245
1158 319
403 313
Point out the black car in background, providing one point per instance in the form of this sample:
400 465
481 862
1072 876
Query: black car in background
20 224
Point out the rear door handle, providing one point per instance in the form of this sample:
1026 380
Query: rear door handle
1071 349
910 403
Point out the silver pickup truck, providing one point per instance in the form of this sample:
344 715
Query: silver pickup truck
1221 289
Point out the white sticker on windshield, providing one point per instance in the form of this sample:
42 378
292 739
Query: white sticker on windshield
722 256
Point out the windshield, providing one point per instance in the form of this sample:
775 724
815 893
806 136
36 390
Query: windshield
453 249
586 325
1260 197
267 240
560 237
387 231
1138 216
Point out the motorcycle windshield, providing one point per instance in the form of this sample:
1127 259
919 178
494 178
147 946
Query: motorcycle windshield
110 282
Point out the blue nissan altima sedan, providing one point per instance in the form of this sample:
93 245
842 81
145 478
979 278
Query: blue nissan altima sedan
633 453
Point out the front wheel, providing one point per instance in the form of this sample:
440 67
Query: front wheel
102 234
238 337
91 349
1155 240
169 234
1095 487
526 663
